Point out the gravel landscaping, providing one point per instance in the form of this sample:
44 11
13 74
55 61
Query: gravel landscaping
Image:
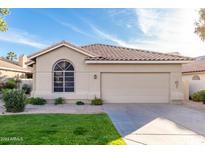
62 108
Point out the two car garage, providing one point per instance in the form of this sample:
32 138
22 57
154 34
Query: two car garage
135 87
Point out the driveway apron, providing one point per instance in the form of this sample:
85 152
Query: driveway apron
157 123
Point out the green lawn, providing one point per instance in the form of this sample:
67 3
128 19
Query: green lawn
58 129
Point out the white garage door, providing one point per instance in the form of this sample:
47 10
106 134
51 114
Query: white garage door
135 87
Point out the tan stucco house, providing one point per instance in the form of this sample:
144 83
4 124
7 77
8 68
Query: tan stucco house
194 75
14 69
115 74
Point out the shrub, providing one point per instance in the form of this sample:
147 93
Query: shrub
36 101
202 96
59 100
80 103
14 100
195 97
2 86
26 88
10 84
97 101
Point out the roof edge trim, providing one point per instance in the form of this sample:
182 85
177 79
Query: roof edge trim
57 46
136 62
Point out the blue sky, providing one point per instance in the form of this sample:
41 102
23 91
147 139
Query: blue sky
165 30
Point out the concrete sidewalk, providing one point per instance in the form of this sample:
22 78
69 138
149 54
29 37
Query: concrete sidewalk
194 105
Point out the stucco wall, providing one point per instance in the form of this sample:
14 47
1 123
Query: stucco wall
4 75
27 82
194 85
86 87
188 76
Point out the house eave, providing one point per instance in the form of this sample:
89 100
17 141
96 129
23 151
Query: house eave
30 63
135 62
194 72
15 70
58 46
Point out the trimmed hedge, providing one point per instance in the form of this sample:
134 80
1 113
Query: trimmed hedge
202 96
59 100
14 100
36 101
198 96
97 101
195 97
80 103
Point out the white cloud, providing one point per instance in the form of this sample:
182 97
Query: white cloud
70 26
117 11
74 28
128 25
101 34
20 37
173 30
165 30
147 20
114 39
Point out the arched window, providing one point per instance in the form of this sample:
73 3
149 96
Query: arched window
63 76
195 77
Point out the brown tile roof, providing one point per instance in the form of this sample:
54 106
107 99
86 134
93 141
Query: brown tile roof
113 53
7 64
196 66
110 52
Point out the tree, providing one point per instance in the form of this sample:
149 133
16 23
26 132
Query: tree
200 25
3 24
11 56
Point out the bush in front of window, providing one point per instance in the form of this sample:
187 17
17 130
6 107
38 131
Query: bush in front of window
59 100
14 100
36 101
80 103
97 101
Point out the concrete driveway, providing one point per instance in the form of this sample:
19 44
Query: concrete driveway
157 123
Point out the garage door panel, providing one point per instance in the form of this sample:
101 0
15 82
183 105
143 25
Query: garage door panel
135 87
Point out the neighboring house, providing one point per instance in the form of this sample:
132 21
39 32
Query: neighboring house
11 69
194 75
115 74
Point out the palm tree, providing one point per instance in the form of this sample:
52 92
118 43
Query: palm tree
11 56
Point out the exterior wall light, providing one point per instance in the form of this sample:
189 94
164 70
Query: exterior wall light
95 76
